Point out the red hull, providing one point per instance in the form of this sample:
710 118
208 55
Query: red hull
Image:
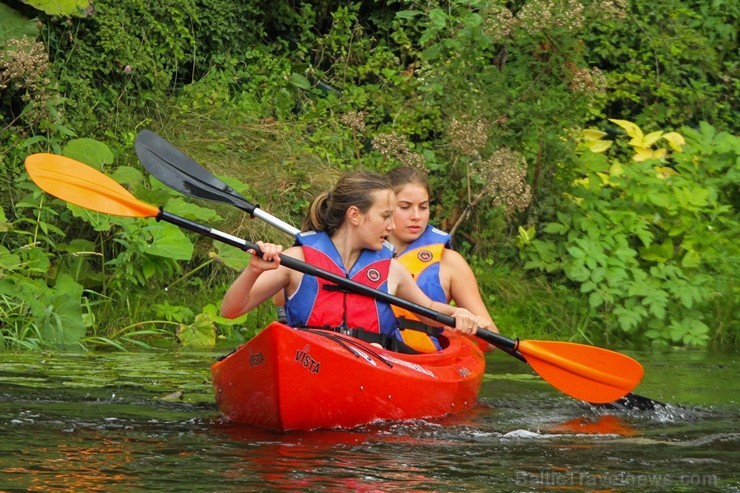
289 379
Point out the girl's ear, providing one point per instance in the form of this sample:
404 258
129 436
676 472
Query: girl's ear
353 215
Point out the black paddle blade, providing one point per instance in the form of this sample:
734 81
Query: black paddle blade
634 401
176 170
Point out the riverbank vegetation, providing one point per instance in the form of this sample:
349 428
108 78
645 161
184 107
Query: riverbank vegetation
583 153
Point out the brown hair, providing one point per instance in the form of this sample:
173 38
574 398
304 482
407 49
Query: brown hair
405 175
328 210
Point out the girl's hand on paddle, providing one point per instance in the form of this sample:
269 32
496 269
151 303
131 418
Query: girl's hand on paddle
467 323
270 257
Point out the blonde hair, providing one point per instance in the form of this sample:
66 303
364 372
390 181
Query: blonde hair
328 210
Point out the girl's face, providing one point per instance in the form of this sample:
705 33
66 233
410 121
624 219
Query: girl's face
376 224
412 212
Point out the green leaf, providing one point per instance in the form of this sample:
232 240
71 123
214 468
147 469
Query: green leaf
555 228
598 274
35 259
577 271
545 250
63 324
595 299
60 7
128 175
167 240
188 210
284 103
677 228
593 253
8 261
642 231
201 333
5 226
638 288
658 253
656 301
89 151
172 312
211 310
231 256
691 259
525 236
15 25
576 252
624 253
689 331
300 81
615 276
431 54
98 220
534 264
438 18
587 287
660 199
698 197
408 14
685 293
564 218
629 318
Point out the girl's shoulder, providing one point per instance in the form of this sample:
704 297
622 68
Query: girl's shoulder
295 252
452 257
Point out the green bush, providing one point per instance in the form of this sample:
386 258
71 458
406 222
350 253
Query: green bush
486 96
669 63
650 241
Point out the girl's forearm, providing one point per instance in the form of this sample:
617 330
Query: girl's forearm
236 301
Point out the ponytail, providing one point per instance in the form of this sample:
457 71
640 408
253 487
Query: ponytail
327 211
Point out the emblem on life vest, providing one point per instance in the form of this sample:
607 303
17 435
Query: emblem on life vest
425 255
373 275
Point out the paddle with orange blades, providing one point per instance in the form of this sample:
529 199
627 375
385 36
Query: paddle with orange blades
177 170
584 372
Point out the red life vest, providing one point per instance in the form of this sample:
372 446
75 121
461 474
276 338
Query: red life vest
318 302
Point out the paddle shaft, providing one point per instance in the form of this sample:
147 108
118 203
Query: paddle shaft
508 345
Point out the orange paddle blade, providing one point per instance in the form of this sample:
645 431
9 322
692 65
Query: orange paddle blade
584 372
79 184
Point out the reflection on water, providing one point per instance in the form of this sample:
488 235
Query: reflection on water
147 422
607 424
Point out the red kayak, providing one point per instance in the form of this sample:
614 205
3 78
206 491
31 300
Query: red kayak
305 379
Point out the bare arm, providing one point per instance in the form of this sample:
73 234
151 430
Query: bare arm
462 286
263 277
403 285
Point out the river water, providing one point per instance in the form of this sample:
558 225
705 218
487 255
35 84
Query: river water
146 421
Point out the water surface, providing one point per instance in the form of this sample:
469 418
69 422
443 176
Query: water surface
146 421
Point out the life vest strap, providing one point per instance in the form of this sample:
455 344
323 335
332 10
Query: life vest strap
405 323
